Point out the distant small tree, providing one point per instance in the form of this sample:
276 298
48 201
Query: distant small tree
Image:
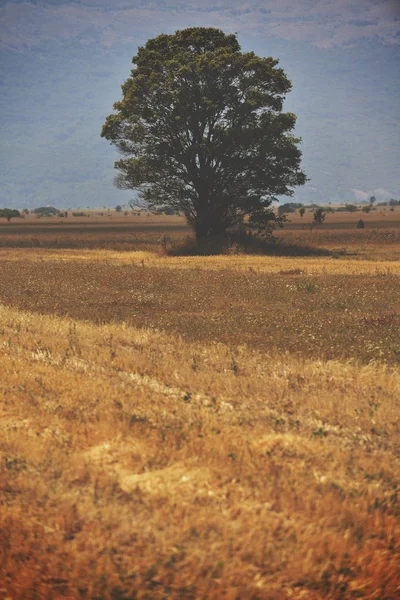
302 210
319 217
25 211
367 209
9 213
372 200
394 202
118 208
360 224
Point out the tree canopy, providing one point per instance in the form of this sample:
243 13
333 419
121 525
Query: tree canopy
9 213
46 211
201 130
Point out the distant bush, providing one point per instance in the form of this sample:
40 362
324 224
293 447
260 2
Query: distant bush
360 224
79 213
338 253
46 211
289 207
165 211
347 208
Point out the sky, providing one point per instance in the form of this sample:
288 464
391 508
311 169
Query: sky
62 64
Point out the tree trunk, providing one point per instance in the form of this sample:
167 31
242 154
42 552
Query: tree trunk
208 222
201 229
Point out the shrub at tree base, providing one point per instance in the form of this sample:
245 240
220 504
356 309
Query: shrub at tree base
202 131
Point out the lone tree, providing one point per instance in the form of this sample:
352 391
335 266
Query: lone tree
319 217
9 213
201 130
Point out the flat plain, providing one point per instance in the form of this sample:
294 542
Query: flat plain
177 426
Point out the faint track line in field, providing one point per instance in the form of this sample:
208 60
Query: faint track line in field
221 405
146 381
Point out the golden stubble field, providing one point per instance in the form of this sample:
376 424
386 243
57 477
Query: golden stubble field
199 427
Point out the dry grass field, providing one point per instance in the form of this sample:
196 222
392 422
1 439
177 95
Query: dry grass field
221 427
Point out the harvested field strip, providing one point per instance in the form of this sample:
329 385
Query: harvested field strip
137 464
342 265
315 316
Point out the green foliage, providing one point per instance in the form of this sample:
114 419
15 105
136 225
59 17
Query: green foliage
288 207
366 209
201 130
302 210
9 213
46 211
118 208
348 208
263 223
360 224
79 213
319 217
